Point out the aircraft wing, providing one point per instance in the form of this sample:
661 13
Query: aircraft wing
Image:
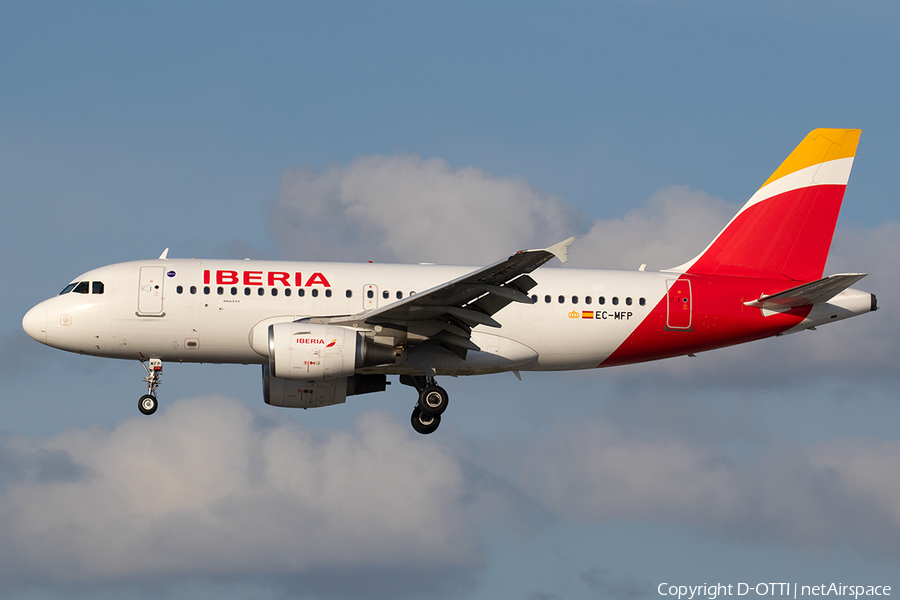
816 292
448 312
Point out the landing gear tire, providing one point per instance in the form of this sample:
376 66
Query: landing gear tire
433 400
424 423
148 404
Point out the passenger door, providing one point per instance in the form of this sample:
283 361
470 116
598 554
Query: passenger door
678 307
150 293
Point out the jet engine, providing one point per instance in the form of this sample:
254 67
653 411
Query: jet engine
310 394
314 352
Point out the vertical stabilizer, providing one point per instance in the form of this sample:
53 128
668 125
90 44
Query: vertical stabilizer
785 229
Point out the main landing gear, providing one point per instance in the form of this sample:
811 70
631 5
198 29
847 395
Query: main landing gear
148 402
433 399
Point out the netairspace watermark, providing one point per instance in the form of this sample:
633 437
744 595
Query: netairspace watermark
713 591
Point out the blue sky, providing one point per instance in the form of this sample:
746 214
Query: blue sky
213 129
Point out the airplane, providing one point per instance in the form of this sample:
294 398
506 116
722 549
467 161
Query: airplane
325 331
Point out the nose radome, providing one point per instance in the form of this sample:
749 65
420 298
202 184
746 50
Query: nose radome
35 323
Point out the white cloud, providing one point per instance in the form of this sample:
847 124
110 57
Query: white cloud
208 488
812 496
675 225
403 208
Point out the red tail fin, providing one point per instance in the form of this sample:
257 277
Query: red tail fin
785 229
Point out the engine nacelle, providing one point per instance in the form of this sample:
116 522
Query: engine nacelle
313 352
310 394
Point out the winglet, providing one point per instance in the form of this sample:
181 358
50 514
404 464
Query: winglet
164 255
560 250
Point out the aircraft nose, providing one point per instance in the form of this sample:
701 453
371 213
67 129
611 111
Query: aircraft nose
35 323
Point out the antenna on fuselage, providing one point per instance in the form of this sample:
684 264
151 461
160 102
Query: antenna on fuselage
164 255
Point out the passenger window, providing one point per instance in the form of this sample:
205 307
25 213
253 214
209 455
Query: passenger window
350 294
178 290
574 299
533 299
628 301
642 301
97 287
328 293
601 300
220 290
615 300
260 292
81 288
274 291
234 291
206 290
314 292
301 292
246 291
547 298
562 299
68 288
385 294
193 289
369 294
287 291
399 295
587 299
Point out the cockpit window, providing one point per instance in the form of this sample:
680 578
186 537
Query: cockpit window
83 287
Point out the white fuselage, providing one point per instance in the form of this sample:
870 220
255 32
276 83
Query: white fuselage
219 311
206 310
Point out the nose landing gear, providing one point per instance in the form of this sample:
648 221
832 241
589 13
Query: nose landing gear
433 400
148 402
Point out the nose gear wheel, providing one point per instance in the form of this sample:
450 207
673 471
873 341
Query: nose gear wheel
148 402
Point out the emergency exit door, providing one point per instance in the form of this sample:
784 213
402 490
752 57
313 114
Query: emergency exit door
678 307
150 293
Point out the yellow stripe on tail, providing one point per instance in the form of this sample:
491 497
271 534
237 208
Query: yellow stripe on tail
821 145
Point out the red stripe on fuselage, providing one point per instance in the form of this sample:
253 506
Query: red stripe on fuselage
719 319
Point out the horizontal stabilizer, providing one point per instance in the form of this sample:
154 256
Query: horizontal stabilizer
816 292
